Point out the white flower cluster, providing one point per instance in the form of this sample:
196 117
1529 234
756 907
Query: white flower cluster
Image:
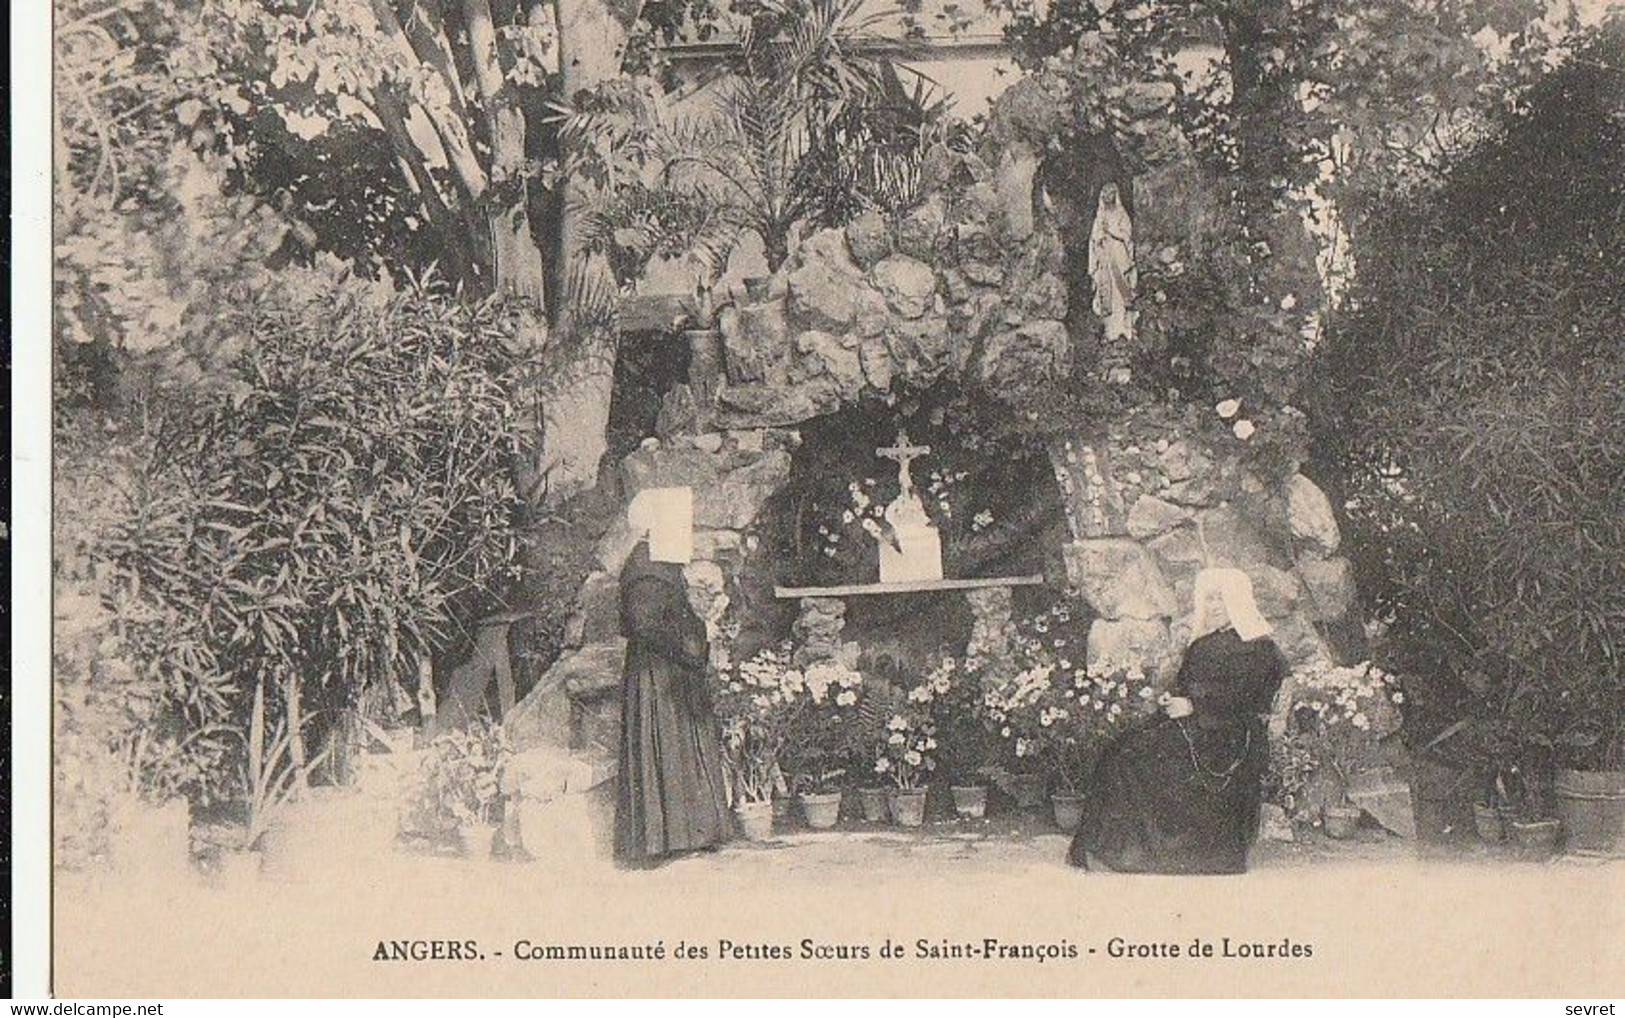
1357 695
824 676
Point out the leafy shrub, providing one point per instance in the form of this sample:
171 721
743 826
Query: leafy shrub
1470 406
333 514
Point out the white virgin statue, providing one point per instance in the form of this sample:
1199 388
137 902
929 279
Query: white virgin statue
1111 264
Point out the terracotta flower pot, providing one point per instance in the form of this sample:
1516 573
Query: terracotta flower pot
1068 810
1591 806
1027 790
1536 840
1341 821
1487 819
970 801
757 287
908 807
755 820
477 840
874 804
822 810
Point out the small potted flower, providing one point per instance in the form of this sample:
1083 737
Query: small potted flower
821 738
907 758
952 692
1342 714
1011 709
755 701
459 799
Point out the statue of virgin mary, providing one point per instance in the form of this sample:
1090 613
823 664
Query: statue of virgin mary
1111 264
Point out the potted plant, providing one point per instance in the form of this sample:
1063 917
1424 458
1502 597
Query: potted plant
459 799
822 735
907 757
755 701
953 693
1341 714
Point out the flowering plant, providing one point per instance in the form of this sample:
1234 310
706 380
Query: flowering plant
1056 717
823 734
907 754
951 694
1338 719
1346 711
755 701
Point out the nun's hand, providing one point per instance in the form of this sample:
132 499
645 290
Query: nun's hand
1178 707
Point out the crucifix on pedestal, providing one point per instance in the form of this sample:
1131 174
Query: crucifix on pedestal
913 551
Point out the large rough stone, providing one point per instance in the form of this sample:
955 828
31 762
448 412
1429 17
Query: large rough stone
868 238
1232 540
1310 513
1119 578
920 347
1331 585
1300 641
593 670
908 284
1151 516
597 618
732 503
1122 645
667 468
825 284
878 366
1014 176
775 406
826 354
758 349
1183 459
1277 591
1025 355
917 233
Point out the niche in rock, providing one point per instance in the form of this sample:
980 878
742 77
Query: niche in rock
988 489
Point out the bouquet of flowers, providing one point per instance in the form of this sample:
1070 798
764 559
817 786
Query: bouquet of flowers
951 694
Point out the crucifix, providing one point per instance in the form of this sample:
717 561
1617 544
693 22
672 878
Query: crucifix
910 547
904 454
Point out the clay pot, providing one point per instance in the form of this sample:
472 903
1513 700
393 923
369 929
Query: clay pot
970 801
1591 806
822 810
1487 819
1341 821
477 840
757 287
1536 840
908 807
755 820
874 804
1068 811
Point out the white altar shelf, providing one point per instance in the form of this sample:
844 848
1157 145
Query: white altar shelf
914 587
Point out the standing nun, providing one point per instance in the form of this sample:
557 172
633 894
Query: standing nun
1183 794
670 796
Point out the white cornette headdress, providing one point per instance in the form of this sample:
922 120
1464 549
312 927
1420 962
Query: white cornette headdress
1236 590
666 515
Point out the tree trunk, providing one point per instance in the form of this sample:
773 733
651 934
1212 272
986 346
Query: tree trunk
592 42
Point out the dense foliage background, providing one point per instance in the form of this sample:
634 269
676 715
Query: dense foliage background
1472 400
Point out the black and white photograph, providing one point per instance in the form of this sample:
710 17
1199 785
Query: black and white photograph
836 498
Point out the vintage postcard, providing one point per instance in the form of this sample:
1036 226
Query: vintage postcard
1103 498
